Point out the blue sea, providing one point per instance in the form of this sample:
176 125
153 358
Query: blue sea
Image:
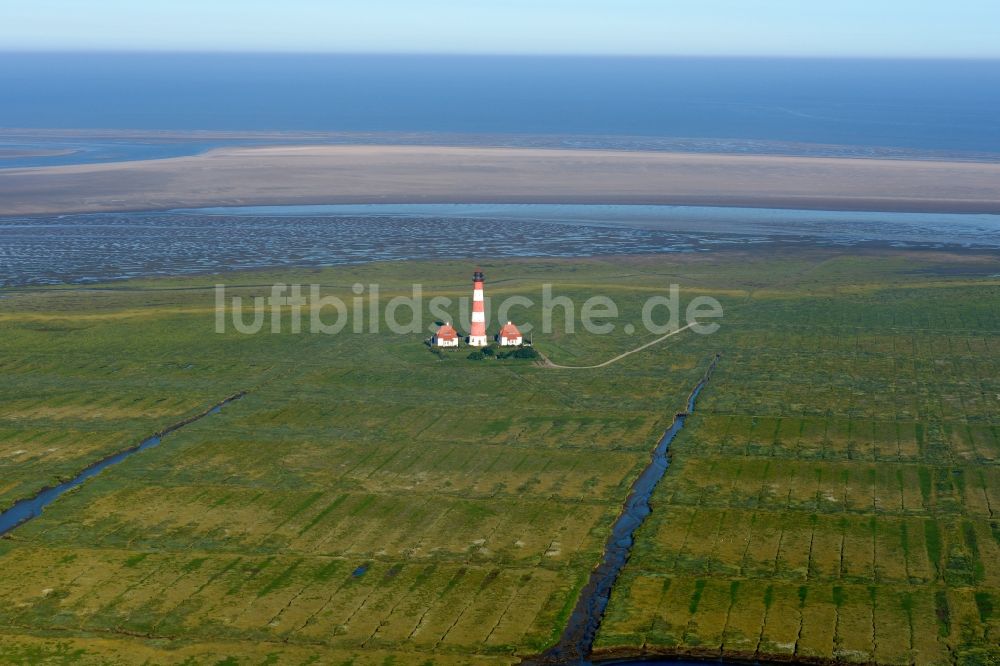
920 108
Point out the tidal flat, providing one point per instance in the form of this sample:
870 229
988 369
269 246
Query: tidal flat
98 247
350 174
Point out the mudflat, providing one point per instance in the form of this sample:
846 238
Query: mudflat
326 174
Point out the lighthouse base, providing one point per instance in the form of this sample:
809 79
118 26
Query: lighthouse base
478 341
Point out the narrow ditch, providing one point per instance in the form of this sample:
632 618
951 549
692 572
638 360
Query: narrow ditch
24 510
577 639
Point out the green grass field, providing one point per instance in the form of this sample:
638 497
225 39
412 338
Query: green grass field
835 496
369 502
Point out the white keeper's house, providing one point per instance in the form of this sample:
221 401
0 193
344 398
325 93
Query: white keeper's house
509 336
446 336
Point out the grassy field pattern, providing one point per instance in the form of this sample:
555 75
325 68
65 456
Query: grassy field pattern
833 498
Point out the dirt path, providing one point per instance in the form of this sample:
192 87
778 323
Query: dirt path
545 362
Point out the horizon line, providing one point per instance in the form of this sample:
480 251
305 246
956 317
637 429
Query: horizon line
500 54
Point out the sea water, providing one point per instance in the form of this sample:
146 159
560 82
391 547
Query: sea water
927 108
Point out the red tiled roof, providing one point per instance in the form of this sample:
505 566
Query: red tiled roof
447 332
509 331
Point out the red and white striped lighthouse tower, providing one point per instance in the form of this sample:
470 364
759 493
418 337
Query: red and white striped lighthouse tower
477 333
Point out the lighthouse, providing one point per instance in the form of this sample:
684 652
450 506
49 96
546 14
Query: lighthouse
477 333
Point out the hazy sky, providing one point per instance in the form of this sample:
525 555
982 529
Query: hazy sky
905 28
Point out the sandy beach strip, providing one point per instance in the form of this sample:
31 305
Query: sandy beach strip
277 175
